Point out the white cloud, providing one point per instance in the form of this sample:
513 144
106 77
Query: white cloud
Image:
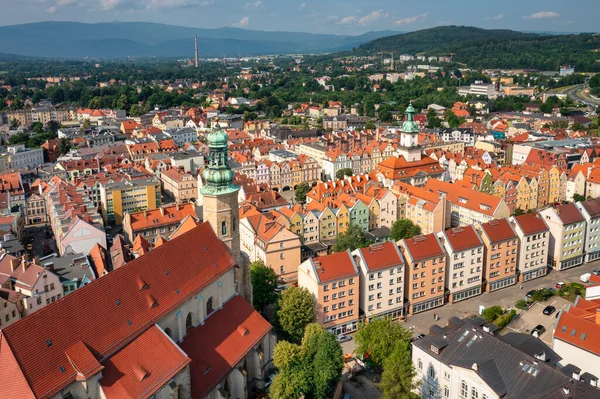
303 6
243 22
495 17
373 16
109 4
51 10
347 20
411 20
254 4
153 4
543 15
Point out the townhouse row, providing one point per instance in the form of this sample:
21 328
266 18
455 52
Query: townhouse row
428 271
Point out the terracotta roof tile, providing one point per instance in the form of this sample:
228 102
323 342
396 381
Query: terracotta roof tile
462 238
568 213
143 366
115 299
578 325
423 247
531 223
335 266
381 256
219 345
498 230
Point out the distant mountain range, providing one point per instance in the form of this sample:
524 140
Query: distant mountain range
143 39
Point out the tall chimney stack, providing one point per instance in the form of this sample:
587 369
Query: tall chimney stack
196 48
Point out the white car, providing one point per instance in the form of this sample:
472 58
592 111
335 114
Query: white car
343 338
585 278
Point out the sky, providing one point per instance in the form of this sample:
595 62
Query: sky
317 16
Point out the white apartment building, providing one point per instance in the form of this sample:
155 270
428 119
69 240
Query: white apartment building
464 270
381 269
591 212
534 235
25 158
464 360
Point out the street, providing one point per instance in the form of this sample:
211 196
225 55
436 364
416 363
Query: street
577 93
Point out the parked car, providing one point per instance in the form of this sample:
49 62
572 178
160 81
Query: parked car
420 336
343 338
347 396
596 272
29 247
559 285
538 331
548 310
529 294
585 278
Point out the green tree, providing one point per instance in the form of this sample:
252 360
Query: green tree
37 127
295 310
370 125
122 102
377 339
518 212
64 145
53 126
86 124
404 228
398 377
340 174
311 369
492 313
14 123
351 239
301 190
521 304
264 283
578 197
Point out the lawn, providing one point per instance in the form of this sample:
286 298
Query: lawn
570 291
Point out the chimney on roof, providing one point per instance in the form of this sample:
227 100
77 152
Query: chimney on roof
162 211
598 316
24 264
14 263
576 374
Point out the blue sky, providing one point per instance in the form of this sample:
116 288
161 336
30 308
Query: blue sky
317 16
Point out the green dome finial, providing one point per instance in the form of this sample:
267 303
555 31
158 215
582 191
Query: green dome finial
217 173
409 125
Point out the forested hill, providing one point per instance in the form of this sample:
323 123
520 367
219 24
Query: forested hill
433 38
481 48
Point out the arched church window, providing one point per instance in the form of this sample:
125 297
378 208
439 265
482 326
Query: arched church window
209 306
188 321
223 228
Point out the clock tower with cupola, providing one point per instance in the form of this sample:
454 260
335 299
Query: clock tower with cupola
409 146
220 205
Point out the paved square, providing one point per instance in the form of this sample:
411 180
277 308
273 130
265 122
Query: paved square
535 316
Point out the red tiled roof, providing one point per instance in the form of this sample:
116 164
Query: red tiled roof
381 256
98 260
498 230
592 207
84 363
578 325
335 266
143 366
471 199
531 223
423 247
220 343
171 214
568 213
461 238
187 264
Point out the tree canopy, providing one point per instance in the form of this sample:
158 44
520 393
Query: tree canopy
264 283
295 310
351 239
311 369
377 339
404 228
398 377
340 174
301 190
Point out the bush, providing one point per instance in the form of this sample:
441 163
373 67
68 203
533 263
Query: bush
492 313
503 320
521 304
542 294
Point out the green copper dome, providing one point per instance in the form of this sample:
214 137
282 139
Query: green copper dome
217 173
409 125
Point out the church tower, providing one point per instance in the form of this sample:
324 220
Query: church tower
409 146
220 207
